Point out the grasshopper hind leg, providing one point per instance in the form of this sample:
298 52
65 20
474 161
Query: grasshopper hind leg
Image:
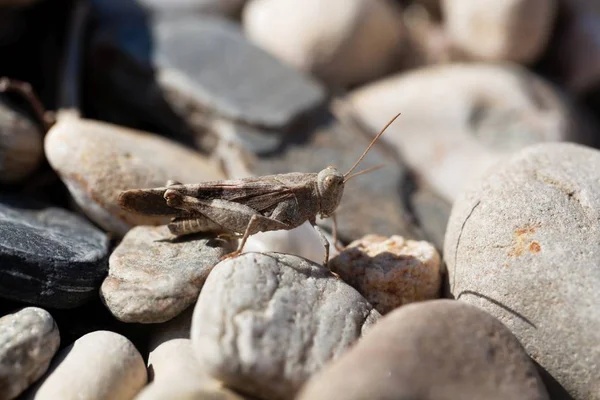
196 224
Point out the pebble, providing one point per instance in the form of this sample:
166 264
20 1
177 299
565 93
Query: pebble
522 243
431 212
264 323
438 349
21 150
515 30
178 327
483 112
390 271
177 374
97 161
208 63
28 340
342 42
50 257
152 279
99 365
332 142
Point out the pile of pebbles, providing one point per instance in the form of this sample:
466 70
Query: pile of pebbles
467 268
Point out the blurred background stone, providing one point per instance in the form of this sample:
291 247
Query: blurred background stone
341 42
510 30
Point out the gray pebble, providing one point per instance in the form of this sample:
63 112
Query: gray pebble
264 323
29 339
208 60
153 277
523 244
434 350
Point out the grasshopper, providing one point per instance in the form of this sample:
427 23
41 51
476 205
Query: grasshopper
242 207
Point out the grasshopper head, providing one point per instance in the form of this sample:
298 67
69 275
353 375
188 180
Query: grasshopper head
330 184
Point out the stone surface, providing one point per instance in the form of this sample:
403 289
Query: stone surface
28 340
177 374
371 203
439 349
522 243
209 62
432 213
153 278
264 323
512 30
99 365
342 42
49 256
482 112
21 150
97 161
390 271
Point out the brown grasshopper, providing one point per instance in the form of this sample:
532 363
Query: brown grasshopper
243 207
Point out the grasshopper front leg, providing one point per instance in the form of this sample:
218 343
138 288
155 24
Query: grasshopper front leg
324 240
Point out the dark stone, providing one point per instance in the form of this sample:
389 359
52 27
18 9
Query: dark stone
207 60
50 257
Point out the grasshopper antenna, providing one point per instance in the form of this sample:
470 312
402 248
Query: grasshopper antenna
369 148
364 171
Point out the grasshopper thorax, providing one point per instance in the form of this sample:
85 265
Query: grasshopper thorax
330 185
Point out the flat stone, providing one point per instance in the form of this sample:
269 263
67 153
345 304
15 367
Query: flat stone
390 272
483 112
516 30
21 150
99 365
523 244
50 257
177 374
153 277
28 340
438 349
371 203
264 323
97 161
347 43
207 60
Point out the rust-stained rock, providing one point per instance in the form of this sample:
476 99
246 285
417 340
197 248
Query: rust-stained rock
390 272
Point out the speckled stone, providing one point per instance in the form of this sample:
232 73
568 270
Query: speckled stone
523 243
264 323
390 272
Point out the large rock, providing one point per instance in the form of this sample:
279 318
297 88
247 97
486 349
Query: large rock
482 112
28 340
435 350
509 30
97 161
523 244
152 278
342 42
49 256
264 323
